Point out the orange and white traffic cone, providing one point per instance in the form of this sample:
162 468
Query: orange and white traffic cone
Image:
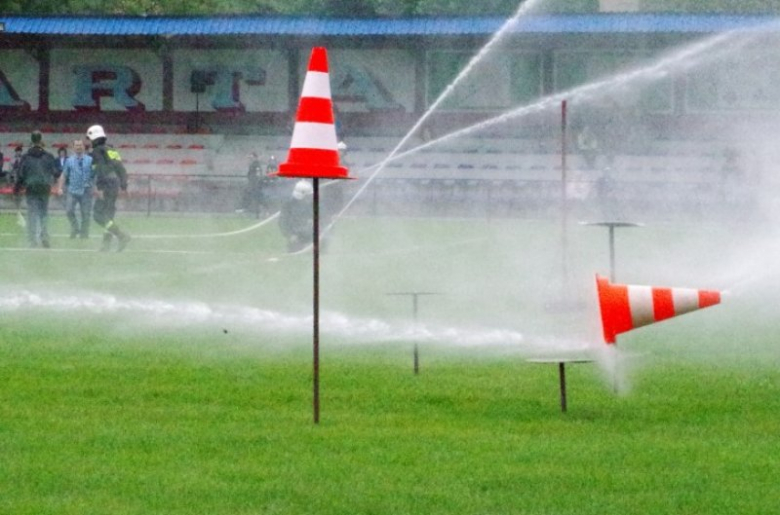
314 149
625 307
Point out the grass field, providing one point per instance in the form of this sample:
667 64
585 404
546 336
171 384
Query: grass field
176 377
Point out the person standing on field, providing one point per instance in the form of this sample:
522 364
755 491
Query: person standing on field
62 158
36 175
76 183
110 177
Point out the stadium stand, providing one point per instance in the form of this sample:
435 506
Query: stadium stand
496 177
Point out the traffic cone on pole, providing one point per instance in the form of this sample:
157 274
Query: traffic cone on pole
625 307
314 149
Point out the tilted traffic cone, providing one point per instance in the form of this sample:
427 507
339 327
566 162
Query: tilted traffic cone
625 307
314 149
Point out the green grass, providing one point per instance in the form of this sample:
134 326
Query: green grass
107 412
90 427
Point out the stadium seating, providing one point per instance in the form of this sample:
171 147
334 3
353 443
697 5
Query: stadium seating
508 175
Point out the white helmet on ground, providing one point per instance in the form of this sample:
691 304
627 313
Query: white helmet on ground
95 132
302 189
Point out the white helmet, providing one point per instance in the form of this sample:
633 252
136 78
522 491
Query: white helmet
302 189
341 146
95 132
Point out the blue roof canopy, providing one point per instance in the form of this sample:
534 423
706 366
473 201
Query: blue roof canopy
295 26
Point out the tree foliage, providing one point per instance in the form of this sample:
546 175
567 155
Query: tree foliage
712 6
362 8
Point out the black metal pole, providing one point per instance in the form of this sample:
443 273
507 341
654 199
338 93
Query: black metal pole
416 350
612 253
316 299
415 295
611 227
562 377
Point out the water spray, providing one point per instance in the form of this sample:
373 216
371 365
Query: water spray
349 330
524 7
675 61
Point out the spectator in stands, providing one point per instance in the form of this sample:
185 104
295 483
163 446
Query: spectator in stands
37 174
337 120
110 176
426 134
62 158
735 188
2 165
272 167
342 148
252 198
296 217
271 189
76 183
18 151
588 145
606 195
614 131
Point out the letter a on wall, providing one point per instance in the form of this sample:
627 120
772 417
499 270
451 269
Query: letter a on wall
9 99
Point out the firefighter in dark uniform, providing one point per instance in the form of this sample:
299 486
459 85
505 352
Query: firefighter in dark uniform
110 177
295 217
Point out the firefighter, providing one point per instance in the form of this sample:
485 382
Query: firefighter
295 217
110 176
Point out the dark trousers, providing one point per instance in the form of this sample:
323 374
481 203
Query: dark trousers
37 218
105 208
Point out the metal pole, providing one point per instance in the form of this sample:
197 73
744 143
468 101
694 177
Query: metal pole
415 295
316 301
148 195
612 253
562 377
416 350
611 228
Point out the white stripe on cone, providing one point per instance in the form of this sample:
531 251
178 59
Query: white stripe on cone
316 84
685 300
314 135
640 300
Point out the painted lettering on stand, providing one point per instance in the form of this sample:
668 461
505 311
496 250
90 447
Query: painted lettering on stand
225 85
9 98
359 89
96 82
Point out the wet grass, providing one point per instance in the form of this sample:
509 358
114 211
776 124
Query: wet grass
101 412
188 424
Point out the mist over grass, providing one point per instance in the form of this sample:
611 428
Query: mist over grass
498 283
176 377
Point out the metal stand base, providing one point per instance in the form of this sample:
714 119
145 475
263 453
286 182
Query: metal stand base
561 362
